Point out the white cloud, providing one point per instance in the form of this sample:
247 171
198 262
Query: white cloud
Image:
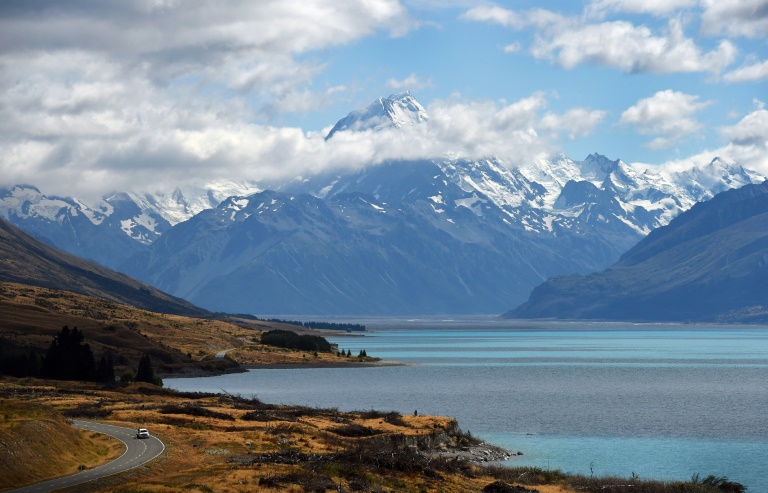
747 145
751 131
250 47
159 145
412 82
539 18
571 41
513 47
747 18
656 7
576 122
99 95
631 48
668 114
496 15
749 73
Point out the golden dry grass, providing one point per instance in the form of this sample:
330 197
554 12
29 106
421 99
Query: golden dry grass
211 446
37 443
30 316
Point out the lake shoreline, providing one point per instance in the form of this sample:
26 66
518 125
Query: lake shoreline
202 373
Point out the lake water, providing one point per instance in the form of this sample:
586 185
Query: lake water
662 401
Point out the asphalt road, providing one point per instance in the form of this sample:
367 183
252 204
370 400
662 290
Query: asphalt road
137 452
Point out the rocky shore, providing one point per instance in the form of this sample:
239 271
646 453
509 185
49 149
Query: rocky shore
479 454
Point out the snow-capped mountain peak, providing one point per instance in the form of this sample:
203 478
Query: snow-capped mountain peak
397 110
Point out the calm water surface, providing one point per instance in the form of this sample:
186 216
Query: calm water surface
663 401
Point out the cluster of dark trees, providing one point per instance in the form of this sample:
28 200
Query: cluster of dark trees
306 325
69 357
321 325
291 340
19 362
362 354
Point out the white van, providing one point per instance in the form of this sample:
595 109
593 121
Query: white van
142 433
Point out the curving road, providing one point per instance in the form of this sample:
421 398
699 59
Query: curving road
137 452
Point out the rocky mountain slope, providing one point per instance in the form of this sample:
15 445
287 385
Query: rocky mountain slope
115 227
422 245
710 263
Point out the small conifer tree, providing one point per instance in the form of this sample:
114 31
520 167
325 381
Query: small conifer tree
146 373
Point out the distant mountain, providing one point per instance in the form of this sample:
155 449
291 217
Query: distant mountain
421 237
116 227
709 264
421 246
27 261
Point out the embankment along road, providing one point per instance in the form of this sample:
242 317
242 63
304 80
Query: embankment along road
137 452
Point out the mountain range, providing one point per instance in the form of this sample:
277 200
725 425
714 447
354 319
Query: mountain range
402 237
709 264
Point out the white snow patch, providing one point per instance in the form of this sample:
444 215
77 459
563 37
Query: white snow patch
242 203
548 222
127 226
473 203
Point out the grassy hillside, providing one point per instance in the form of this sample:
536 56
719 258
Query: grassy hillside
26 260
37 443
30 316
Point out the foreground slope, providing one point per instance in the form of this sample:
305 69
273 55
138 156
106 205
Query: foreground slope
25 260
710 263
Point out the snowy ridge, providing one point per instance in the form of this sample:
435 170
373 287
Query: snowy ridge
396 111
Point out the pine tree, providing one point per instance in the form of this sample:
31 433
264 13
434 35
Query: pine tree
105 369
146 373
68 357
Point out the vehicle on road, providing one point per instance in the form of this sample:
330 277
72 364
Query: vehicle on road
142 433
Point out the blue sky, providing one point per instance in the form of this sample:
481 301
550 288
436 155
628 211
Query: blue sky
99 95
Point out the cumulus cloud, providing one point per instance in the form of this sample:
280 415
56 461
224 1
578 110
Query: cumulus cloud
197 146
539 18
600 8
631 48
496 15
573 41
746 144
412 82
246 46
747 18
100 94
576 122
751 131
750 73
668 114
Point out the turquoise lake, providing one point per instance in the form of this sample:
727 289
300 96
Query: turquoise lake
663 401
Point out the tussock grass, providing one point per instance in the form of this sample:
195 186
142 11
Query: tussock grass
194 409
